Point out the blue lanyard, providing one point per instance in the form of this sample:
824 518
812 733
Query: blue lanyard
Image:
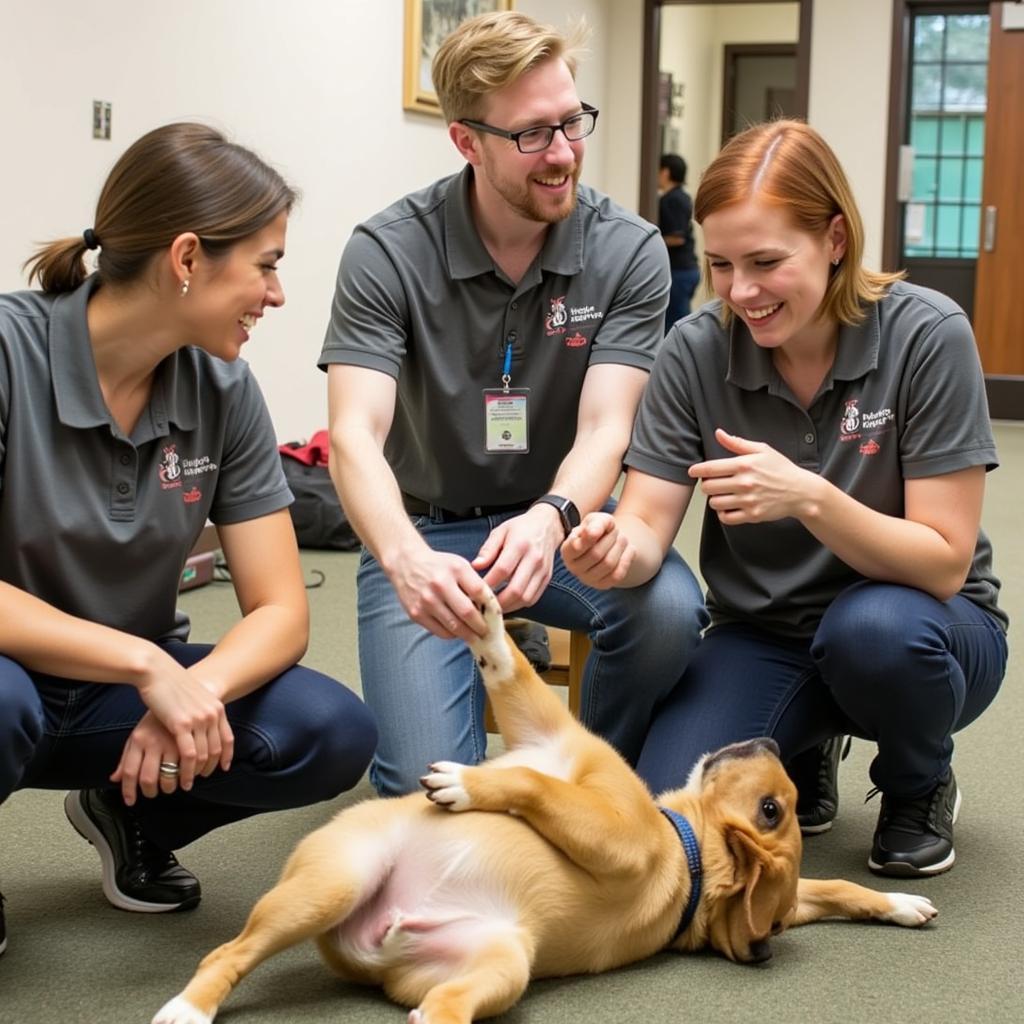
506 370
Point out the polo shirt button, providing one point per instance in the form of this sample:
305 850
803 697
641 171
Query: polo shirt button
125 459
511 337
123 488
515 305
808 439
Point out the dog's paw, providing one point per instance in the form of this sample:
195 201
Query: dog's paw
181 1011
490 649
444 786
909 910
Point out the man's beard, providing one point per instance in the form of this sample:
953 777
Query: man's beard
522 200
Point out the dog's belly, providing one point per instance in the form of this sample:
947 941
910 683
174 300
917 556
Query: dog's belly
435 905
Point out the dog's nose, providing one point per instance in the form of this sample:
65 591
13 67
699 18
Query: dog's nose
760 952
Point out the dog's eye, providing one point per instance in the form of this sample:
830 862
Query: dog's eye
771 811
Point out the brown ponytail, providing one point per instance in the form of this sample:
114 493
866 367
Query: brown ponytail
59 265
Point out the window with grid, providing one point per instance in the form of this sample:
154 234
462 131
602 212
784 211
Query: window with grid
949 66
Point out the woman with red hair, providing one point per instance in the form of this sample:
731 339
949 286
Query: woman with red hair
836 420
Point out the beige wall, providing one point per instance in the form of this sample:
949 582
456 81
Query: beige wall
315 86
849 99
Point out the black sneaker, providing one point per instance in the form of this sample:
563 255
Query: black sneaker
3 926
137 874
816 775
915 837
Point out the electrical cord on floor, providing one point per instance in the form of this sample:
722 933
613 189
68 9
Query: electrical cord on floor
222 574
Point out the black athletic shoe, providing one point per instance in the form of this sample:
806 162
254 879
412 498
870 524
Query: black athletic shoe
816 774
3 926
915 837
137 874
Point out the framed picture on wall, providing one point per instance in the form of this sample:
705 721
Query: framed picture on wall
427 22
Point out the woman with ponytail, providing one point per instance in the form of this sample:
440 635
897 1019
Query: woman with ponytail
127 421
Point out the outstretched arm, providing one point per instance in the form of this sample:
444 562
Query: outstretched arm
519 554
439 591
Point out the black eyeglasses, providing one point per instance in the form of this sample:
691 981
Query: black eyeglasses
533 140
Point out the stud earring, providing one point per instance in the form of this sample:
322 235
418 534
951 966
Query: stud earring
835 262
184 288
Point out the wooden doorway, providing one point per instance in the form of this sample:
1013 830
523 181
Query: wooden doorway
760 85
651 129
984 280
1001 255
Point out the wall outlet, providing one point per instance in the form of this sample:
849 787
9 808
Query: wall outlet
100 119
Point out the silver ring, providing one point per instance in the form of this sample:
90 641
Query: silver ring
169 768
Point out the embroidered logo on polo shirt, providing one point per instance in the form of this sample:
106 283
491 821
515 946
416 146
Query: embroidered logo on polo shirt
170 468
575 341
856 425
202 464
851 417
192 496
584 314
556 320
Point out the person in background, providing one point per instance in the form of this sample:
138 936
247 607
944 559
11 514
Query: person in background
489 340
126 420
675 222
836 420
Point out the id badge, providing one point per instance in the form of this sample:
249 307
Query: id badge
505 420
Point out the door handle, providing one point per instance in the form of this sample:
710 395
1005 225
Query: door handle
988 230
905 175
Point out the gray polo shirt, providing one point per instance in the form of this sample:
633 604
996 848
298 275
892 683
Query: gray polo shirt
904 399
99 524
419 298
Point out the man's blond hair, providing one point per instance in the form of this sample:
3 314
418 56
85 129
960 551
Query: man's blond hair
488 52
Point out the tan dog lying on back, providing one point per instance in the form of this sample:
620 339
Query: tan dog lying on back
572 869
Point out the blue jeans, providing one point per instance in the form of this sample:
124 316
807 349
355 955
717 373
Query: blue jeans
684 284
426 693
299 739
888 664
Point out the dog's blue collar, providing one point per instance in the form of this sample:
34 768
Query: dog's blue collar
689 841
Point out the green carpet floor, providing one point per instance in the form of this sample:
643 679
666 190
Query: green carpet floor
72 958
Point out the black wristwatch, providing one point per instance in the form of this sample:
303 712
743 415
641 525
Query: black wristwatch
567 511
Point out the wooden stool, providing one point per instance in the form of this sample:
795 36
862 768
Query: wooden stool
569 650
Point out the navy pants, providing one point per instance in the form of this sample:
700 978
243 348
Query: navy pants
888 664
299 739
684 284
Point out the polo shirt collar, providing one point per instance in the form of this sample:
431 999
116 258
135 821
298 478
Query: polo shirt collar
750 367
76 387
467 254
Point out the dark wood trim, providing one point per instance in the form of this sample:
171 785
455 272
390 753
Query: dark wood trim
899 63
734 50
803 58
1005 397
649 142
650 154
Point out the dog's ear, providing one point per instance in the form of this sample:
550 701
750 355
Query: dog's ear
753 876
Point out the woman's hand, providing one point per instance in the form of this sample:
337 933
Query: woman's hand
757 485
597 553
187 713
148 746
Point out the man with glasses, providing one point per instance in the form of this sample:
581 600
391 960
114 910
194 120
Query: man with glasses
489 340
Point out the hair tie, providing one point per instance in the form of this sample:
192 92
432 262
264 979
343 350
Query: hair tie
91 241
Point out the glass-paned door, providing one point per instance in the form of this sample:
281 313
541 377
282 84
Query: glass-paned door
946 127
